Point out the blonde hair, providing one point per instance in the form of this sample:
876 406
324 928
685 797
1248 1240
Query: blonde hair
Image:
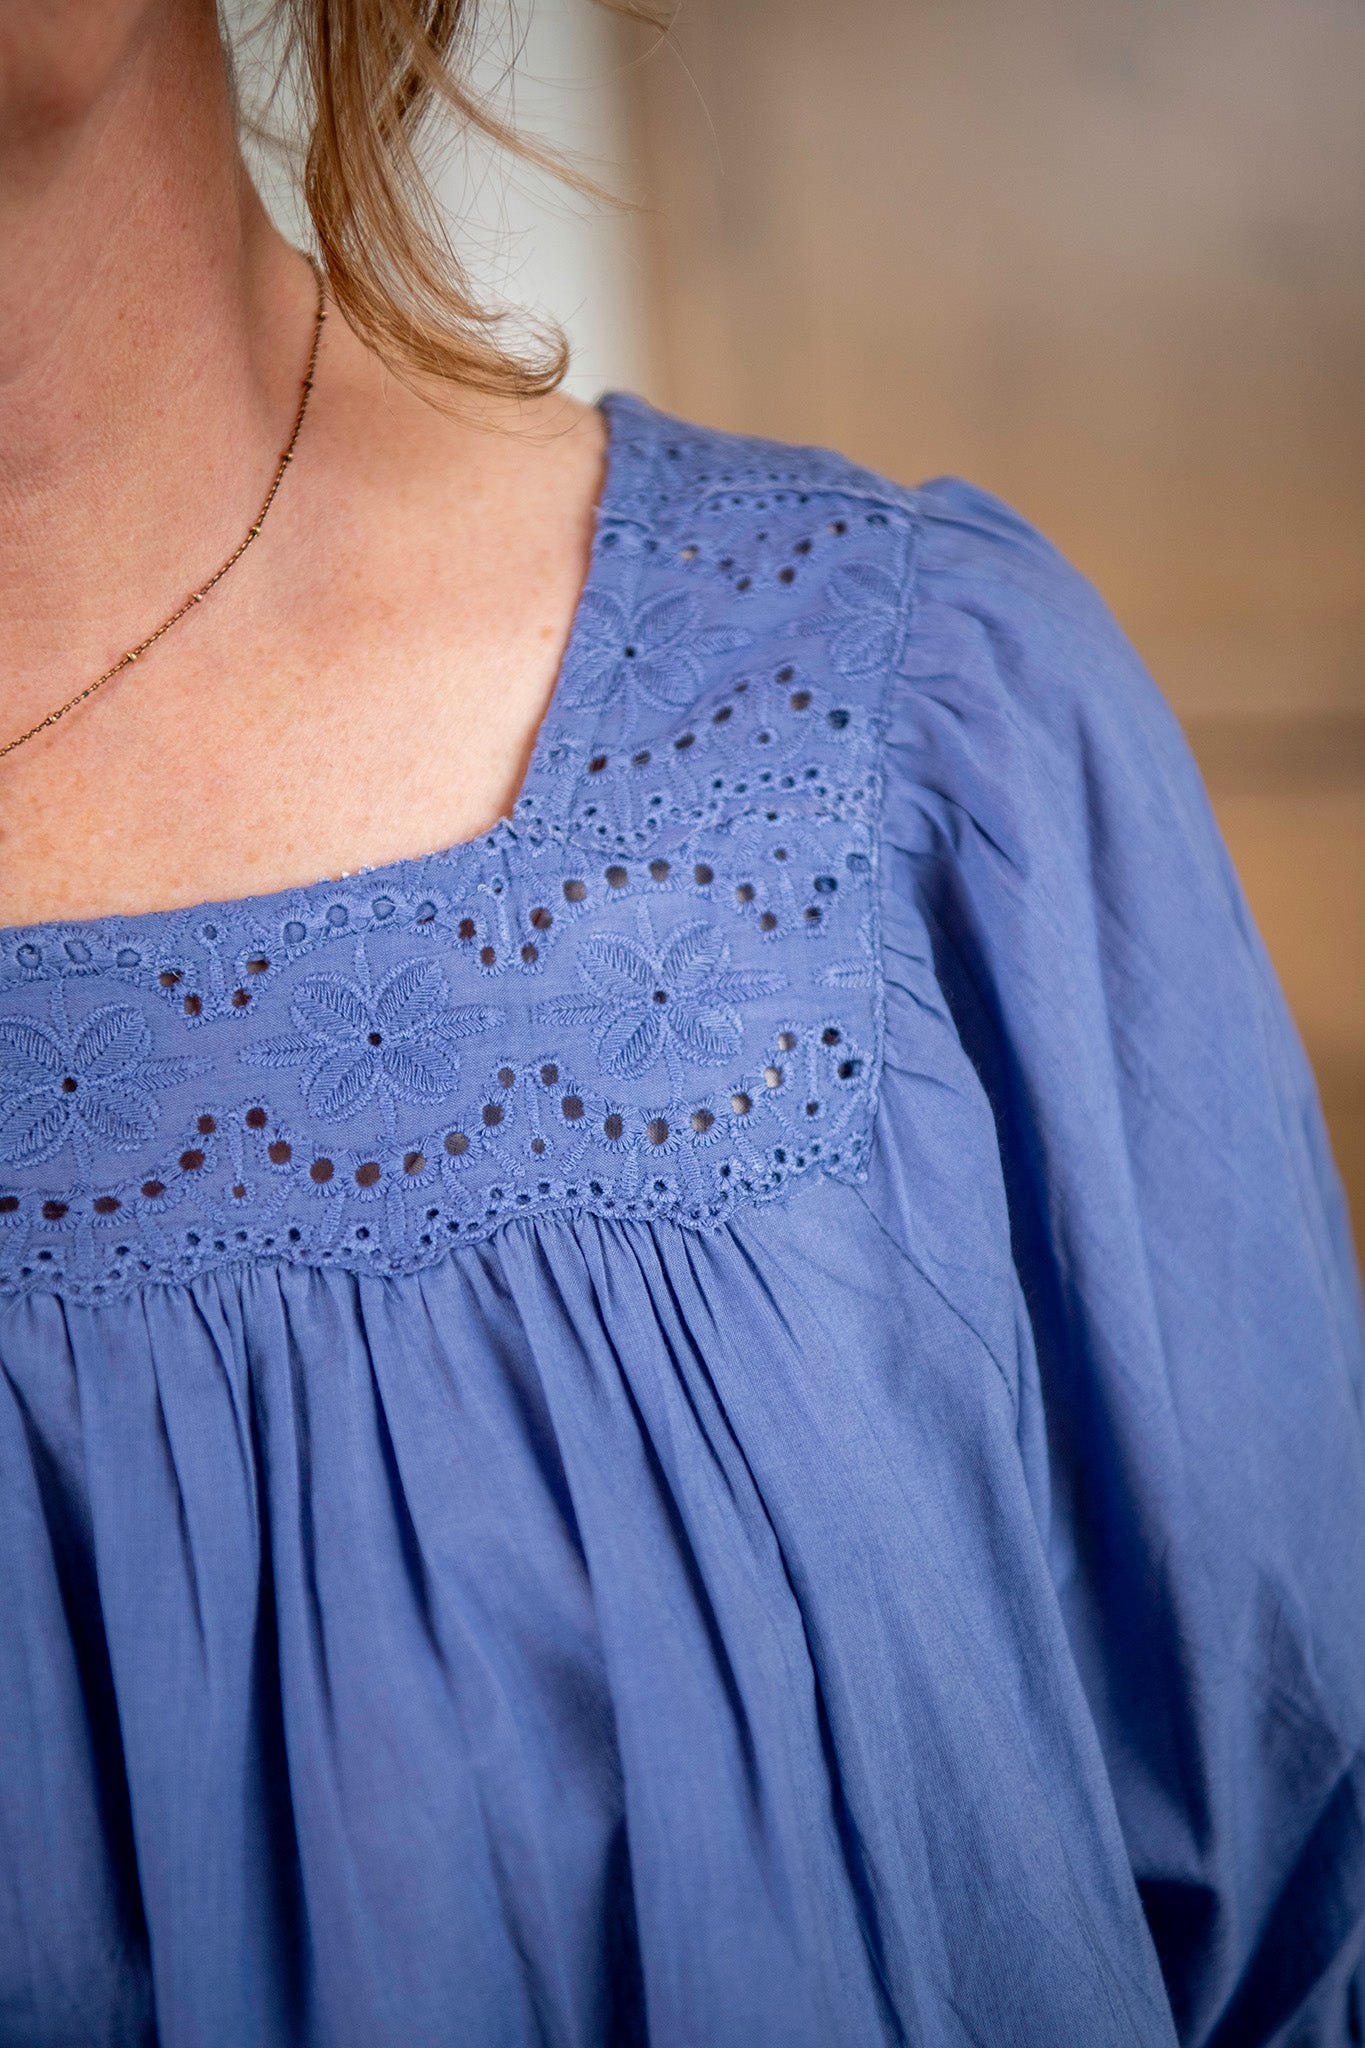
367 72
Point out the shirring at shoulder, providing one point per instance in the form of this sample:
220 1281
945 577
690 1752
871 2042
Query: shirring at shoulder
944 580
962 545
967 530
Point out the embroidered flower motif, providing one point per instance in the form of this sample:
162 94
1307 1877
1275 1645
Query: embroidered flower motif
658 648
685 996
100 1079
400 1040
861 619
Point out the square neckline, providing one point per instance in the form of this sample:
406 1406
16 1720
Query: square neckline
569 680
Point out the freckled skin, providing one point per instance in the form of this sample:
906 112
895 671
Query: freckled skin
367 682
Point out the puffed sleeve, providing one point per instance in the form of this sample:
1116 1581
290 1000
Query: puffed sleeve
1188 1342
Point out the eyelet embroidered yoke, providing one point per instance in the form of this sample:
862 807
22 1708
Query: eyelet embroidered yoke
679 924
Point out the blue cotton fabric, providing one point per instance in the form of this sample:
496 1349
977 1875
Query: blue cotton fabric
884 1572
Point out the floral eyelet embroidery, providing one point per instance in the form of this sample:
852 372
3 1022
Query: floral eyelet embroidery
353 1045
860 618
681 922
100 1081
659 648
687 995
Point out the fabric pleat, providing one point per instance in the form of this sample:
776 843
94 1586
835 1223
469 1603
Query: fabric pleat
519 1652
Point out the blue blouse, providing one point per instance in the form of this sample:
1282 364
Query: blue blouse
729 1417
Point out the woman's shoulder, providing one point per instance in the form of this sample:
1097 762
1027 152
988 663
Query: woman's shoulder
987 660
893 579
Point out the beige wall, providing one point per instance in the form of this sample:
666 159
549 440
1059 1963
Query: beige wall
1107 258
534 246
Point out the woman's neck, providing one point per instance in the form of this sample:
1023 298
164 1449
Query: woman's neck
152 332
408 605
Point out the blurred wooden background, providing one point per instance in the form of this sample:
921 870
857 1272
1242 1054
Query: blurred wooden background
1106 258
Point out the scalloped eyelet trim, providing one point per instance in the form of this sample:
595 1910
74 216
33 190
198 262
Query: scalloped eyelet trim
654 993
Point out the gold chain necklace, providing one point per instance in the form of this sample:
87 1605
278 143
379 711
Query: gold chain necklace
196 596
